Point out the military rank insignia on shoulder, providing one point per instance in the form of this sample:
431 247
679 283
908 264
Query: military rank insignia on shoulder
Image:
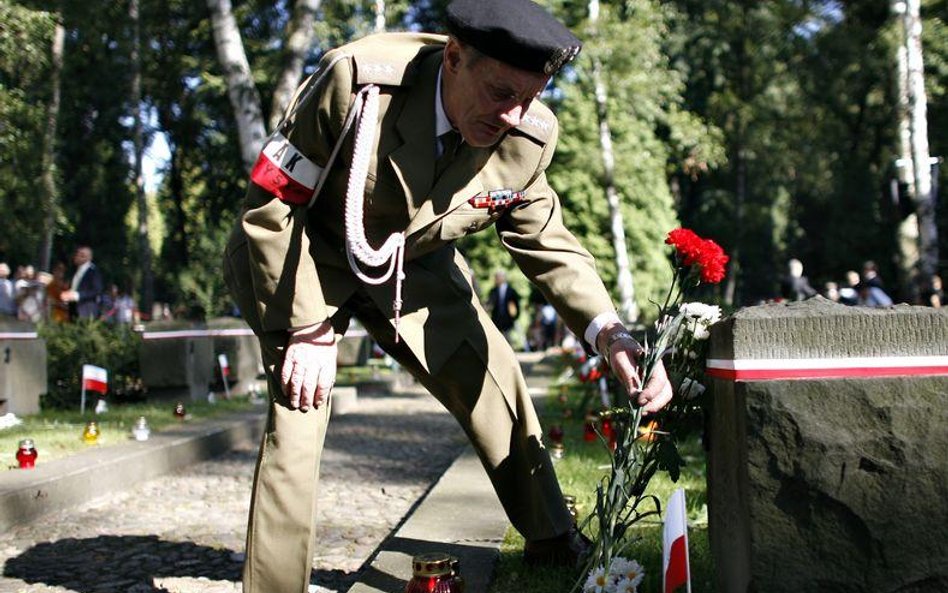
539 123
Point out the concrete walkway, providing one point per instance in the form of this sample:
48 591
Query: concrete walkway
381 501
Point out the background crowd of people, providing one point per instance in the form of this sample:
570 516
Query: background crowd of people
866 289
37 296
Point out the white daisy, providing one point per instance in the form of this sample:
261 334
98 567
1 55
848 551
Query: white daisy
627 570
597 581
626 586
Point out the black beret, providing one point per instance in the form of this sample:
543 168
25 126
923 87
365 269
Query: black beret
517 32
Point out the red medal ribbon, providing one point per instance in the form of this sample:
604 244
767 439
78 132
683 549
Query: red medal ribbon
498 199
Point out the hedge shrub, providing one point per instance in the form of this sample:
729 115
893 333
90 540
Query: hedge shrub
70 345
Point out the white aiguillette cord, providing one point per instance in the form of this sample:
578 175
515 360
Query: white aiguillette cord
358 250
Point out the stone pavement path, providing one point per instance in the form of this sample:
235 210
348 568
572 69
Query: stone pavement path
184 533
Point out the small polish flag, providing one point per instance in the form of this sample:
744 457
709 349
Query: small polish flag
95 378
283 171
225 368
676 570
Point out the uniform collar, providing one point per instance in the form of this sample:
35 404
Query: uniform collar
442 123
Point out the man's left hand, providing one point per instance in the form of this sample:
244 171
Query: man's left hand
624 354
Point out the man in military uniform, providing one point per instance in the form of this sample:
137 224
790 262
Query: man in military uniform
398 146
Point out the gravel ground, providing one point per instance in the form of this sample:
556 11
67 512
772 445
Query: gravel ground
185 532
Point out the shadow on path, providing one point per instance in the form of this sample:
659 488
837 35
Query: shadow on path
113 564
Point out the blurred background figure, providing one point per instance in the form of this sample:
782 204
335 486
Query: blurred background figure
30 295
795 286
831 291
870 275
503 302
873 296
58 309
849 293
118 306
7 292
86 288
933 294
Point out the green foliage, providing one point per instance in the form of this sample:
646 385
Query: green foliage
70 345
767 126
25 49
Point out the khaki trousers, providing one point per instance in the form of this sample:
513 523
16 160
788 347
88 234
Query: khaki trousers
485 392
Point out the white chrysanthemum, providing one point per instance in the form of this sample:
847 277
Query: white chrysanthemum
698 317
629 570
626 586
597 581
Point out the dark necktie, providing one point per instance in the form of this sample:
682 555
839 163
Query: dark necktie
450 141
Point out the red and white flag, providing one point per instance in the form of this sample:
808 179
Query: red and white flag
676 570
283 171
225 367
95 378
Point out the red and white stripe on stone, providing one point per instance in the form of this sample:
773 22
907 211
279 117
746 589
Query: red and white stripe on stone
282 170
825 368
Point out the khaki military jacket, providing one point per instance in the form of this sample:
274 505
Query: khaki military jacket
286 264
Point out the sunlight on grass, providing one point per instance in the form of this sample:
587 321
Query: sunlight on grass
58 433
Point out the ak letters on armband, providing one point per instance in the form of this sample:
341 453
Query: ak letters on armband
284 172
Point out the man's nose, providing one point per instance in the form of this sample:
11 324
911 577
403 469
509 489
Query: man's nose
512 116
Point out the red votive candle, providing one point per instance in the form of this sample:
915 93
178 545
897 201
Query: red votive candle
26 454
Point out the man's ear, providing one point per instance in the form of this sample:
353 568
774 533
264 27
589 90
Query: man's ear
452 55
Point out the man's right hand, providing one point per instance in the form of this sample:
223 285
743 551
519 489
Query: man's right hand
309 367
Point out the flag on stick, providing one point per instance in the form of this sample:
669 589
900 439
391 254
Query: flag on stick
676 570
93 379
225 367
225 373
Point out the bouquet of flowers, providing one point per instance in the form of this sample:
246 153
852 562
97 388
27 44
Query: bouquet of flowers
679 337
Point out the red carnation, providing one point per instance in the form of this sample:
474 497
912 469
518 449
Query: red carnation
712 262
692 250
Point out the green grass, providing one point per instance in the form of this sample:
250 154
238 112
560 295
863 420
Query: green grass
58 433
579 472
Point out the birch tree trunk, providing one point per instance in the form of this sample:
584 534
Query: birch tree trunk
905 165
144 246
241 90
379 16
627 308
299 38
918 132
48 180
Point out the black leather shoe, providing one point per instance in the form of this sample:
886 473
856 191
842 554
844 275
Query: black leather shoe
569 549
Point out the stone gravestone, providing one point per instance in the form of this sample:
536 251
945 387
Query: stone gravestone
233 337
177 359
23 373
828 461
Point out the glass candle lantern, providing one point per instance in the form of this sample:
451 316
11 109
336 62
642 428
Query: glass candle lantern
589 428
91 433
434 573
557 451
26 454
556 433
456 574
570 501
141 431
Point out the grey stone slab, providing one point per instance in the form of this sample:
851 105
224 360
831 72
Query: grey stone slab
23 374
830 484
818 328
